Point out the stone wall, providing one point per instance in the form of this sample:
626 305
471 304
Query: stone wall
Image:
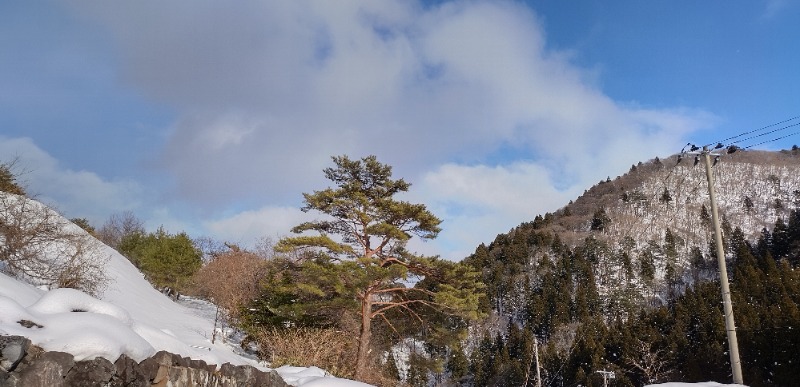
26 365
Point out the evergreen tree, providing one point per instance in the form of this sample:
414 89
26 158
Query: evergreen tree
666 197
84 224
600 220
457 364
793 228
370 259
392 371
8 179
697 261
673 275
647 270
482 361
703 355
705 216
748 204
167 260
780 239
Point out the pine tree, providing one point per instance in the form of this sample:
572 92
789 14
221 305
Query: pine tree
748 204
392 371
705 216
780 239
666 197
370 259
8 179
647 270
167 260
600 220
457 364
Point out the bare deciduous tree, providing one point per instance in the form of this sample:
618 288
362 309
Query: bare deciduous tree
231 280
118 226
41 247
649 361
210 247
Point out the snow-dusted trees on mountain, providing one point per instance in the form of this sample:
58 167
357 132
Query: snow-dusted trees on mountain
651 284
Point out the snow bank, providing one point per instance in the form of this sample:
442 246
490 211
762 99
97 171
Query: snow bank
130 318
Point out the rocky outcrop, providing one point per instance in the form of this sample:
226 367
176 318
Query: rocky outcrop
25 365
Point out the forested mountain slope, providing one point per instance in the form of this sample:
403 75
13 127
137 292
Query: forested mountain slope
624 277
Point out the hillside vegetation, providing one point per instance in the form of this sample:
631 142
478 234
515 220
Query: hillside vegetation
625 279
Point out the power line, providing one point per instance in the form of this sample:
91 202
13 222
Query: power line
755 131
730 147
774 139
766 133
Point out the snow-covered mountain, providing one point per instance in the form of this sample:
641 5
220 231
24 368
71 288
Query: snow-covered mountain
635 212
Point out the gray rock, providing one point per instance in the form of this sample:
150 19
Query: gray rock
12 350
129 374
50 369
30 366
90 373
149 368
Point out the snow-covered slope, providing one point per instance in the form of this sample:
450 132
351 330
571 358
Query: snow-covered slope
131 317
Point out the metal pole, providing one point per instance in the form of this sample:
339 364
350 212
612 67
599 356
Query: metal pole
606 375
536 353
730 326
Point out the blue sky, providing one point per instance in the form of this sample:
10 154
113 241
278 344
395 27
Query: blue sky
214 118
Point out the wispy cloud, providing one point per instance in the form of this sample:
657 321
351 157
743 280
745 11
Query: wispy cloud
248 227
80 194
773 8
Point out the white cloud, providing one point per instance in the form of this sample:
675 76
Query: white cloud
77 194
478 202
519 188
266 92
774 7
248 227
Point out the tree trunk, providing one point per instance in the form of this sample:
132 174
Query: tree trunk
364 337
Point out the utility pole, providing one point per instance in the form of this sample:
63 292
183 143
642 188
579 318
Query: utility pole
606 375
536 358
536 354
730 326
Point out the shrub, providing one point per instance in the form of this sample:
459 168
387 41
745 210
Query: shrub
168 261
327 348
230 280
43 248
8 179
118 226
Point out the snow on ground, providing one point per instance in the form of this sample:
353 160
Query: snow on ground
131 318
138 325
